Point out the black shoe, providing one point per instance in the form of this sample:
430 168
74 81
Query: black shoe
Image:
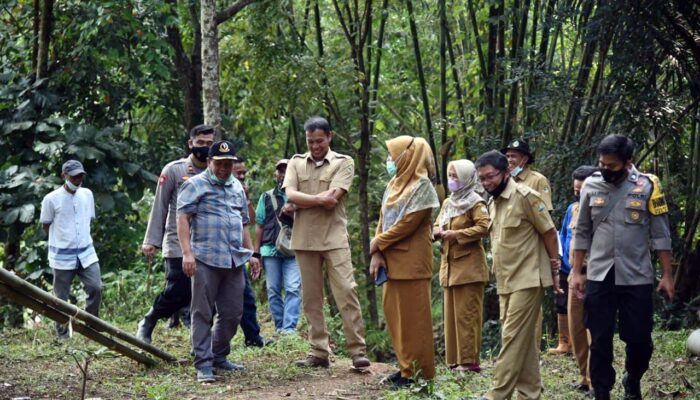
390 379
174 321
580 387
259 342
401 383
601 394
633 390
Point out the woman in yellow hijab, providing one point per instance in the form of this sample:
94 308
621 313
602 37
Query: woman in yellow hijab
403 246
462 223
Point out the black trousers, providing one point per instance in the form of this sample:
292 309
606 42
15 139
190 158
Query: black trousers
177 292
603 301
561 300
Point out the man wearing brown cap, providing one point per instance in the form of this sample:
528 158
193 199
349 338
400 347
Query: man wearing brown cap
279 261
66 214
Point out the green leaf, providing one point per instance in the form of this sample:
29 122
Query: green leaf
18 126
131 168
26 213
10 216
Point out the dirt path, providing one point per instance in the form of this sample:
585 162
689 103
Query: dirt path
338 382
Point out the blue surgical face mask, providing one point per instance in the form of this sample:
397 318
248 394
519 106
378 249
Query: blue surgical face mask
71 186
391 168
219 181
516 171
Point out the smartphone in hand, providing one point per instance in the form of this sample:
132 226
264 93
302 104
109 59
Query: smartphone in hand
381 276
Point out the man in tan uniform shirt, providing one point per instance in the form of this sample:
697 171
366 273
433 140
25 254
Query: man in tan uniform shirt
519 159
316 183
525 261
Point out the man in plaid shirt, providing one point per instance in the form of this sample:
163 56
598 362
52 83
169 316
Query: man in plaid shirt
212 213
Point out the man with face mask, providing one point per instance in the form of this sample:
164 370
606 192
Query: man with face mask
519 159
66 214
622 217
525 261
212 219
162 230
281 268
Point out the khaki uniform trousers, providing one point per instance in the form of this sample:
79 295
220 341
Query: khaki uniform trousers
342 282
580 337
517 366
464 314
408 317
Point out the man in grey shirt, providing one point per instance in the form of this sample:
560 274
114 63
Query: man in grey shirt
623 216
162 230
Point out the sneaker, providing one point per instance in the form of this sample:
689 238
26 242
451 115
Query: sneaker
313 362
227 365
633 390
205 375
360 361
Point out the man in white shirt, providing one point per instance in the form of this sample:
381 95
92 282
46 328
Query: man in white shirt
66 214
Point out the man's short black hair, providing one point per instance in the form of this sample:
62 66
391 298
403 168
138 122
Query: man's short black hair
201 129
618 145
314 123
583 172
493 158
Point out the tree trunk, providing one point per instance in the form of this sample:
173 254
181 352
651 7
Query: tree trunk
211 98
423 87
45 26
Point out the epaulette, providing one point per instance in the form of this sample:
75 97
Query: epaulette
338 155
523 189
299 155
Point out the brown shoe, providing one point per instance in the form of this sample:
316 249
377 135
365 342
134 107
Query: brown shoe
313 362
360 361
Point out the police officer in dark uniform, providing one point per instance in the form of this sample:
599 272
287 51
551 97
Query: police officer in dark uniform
623 216
162 230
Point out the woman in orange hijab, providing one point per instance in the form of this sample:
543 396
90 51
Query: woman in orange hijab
403 246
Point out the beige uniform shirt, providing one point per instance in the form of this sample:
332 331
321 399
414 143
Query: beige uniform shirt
539 182
519 218
318 229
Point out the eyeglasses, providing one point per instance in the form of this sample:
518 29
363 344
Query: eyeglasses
489 177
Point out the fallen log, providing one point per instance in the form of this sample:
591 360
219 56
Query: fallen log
22 286
79 327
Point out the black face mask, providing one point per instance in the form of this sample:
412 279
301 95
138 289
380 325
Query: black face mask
200 153
500 188
612 176
577 196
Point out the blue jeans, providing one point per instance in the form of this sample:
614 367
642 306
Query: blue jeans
283 273
249 320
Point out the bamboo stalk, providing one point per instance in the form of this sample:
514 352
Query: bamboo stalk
44 309
93 322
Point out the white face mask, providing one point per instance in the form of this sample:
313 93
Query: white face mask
71 186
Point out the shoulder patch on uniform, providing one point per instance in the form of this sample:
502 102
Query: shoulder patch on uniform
163 178
545 189
484 210
657 202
